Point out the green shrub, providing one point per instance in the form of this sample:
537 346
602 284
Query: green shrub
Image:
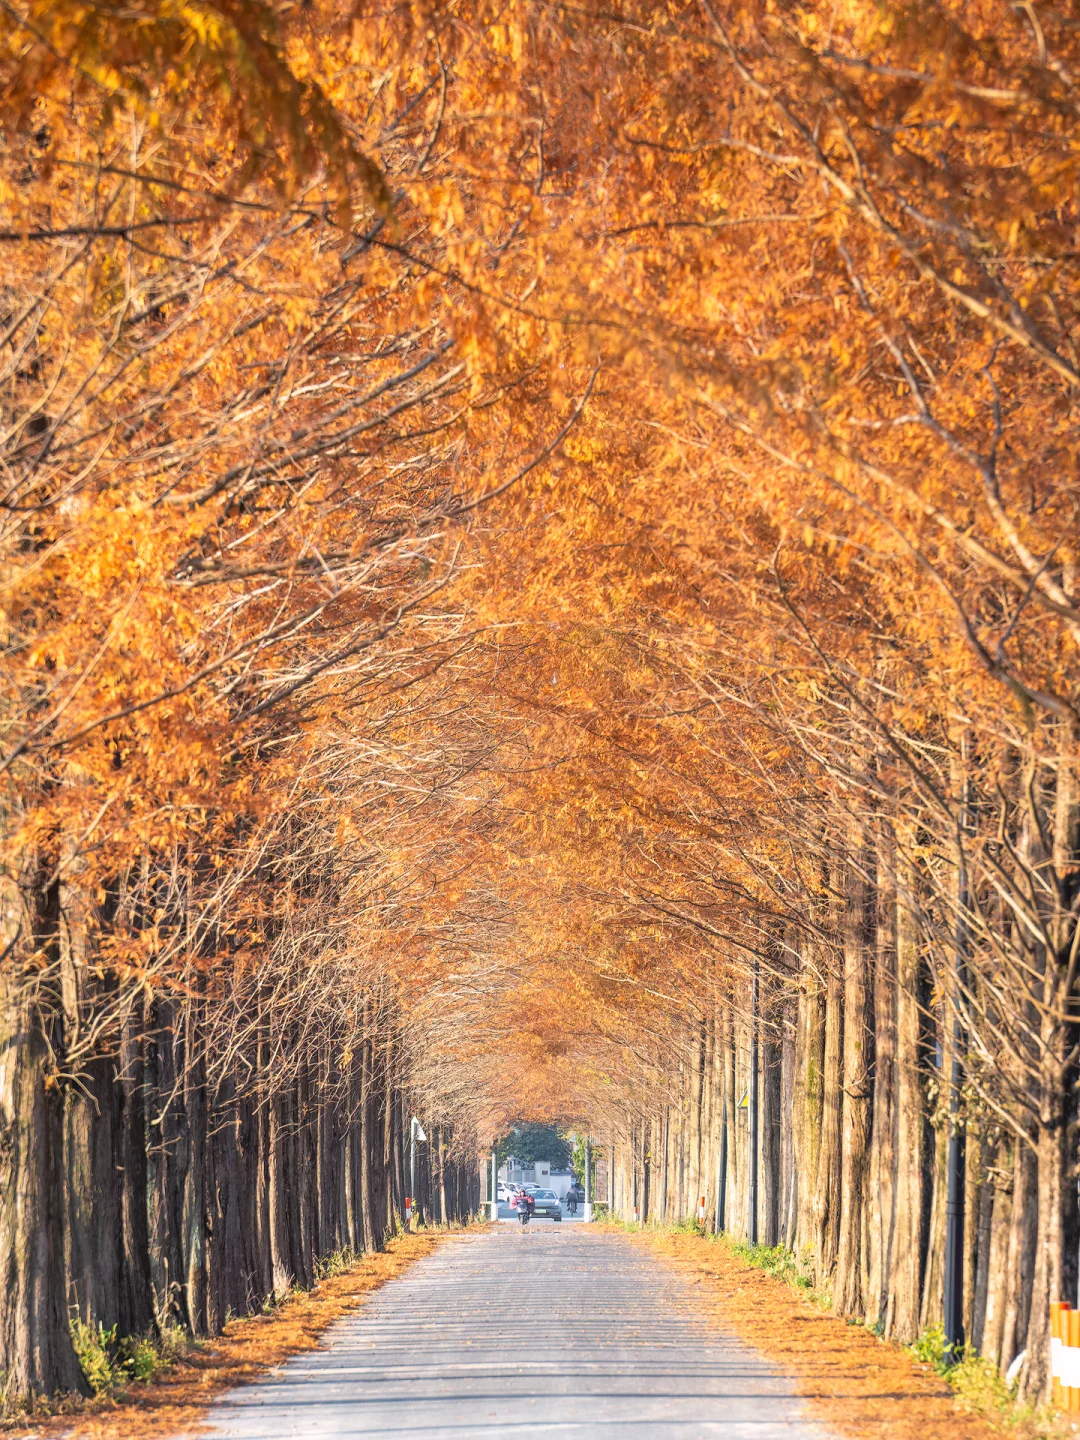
980 1386
139 1358
930 1348
110 1362
95 1347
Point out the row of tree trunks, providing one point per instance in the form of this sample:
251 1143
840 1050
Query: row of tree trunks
855 1046
136 1192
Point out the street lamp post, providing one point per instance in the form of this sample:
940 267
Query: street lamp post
416 1132
956 1167
721 1177
752 1168
587 1212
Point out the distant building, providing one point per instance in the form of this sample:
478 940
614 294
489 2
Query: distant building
526 1172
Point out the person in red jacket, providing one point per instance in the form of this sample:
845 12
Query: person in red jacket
525 1206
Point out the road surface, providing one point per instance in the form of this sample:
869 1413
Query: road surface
610 1346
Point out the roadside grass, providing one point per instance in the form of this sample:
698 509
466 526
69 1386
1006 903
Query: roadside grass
776 1260
977 1384
339 1262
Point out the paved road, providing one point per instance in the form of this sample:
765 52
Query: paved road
613 1348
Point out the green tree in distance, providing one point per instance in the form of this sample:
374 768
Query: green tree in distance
530 1142
577 1161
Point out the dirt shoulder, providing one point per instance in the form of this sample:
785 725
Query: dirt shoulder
861 1387
179 1397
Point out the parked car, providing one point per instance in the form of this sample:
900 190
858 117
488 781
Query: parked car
503 1192
547 1203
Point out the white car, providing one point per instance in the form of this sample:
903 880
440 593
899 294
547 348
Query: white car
502 1192
546 1202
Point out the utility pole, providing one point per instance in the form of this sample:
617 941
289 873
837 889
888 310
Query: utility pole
957 1158
586 1213
752 1198
494 1185
721 1177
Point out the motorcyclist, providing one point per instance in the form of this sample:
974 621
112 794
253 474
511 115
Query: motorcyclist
525 1207
571 1203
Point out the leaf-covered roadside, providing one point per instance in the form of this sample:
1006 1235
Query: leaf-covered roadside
857 1384
179 1396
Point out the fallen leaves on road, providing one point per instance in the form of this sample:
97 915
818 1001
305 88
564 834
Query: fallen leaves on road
861 1387
180 1397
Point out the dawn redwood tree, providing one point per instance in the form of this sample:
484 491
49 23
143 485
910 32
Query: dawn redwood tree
539 566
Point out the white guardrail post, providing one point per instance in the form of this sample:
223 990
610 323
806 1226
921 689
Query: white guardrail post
587 1213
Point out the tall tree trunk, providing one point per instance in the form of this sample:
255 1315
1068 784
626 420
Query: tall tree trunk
880 1207
35 1337
983 1255
665 1123
829 1181
933 1297
137 1313
993 1325
974 1228
367 1213
276 1201
848 1296
809 1107
1052 1168
788 1173
193 1223
1020 1253
388 1143
1057 1167
770 1135
92 1232
910 1227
